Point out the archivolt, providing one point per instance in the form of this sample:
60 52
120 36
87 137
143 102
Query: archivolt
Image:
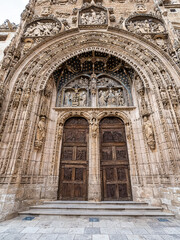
46 59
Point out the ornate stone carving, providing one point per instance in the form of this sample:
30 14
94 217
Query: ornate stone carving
93 15
94 127
42 28
17 97
145 24
60 131
8 26
2 92
173 95
164 97
40 134
46 11
149 133
26 96
28 43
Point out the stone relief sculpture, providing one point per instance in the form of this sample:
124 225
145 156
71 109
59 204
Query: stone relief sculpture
93 16
173 95
79 94
149 133
94 127
17 97
41 131
25 98
145 25
42 29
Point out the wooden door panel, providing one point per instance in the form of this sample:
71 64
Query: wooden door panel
74 160
114 160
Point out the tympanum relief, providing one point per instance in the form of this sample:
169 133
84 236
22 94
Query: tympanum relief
92 15
42 29
94 80
145 25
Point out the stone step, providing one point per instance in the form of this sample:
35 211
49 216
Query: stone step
97 203
72 212
96 207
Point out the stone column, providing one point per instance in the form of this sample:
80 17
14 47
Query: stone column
94 186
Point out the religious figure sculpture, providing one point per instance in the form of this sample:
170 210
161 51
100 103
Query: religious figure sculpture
41 131
102 98
94 127
149 133
173 95
25 98
68 99
93 17
83 99
17 97
111 99
120 98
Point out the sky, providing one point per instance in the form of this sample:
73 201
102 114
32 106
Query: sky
11 9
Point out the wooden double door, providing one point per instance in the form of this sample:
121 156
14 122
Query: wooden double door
115 179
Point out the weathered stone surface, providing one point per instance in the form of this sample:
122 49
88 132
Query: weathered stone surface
90 59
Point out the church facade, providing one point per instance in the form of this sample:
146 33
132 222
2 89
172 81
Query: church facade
90 104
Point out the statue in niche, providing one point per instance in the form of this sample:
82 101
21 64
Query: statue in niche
149 133
164 97
17 98
60 131
93 84
44 108
83 99
41 131
26 97
173 95
94 127
102 98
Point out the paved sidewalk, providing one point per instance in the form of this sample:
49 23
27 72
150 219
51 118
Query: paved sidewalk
84 228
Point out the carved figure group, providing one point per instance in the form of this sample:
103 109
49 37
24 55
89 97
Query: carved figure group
93 18
41 29
145 26
111 97
75 98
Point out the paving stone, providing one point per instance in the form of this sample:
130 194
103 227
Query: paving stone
152 237
11 236
117 237
108 230
61 230
46 236
45 230
90 230
83 237
76 231
30 230
172 230
100 237
65 237
33 236
123 231
134 237
139 231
